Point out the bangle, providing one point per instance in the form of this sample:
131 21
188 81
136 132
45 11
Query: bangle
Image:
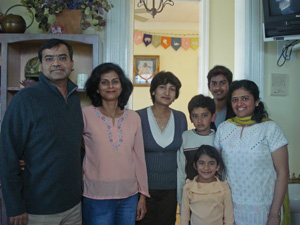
275 217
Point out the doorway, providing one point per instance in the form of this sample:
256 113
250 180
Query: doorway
180 21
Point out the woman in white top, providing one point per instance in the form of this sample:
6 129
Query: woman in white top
254 152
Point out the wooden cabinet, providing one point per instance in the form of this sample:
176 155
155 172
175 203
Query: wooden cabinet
17 49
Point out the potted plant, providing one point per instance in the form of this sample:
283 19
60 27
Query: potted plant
93 9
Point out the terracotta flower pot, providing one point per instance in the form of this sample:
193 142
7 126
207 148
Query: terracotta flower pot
69 20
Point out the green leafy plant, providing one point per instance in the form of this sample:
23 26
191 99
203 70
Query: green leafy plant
93 9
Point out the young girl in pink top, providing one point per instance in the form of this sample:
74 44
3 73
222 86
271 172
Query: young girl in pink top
206 200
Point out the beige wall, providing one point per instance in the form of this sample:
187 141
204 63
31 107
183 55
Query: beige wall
284 110
221 34
182 63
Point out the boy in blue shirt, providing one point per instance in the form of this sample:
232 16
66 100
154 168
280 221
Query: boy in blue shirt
219 79
202 114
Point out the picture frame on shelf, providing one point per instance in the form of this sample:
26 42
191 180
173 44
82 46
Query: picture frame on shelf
144 69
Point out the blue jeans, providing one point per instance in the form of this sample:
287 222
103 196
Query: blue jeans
110 211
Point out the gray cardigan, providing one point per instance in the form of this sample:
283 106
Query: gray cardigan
45 129
162 162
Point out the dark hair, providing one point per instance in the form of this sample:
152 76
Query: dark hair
220 70
203 102
164 78
54 43
211 152
207 150
92 84
260 111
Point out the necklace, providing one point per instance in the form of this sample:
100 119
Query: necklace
118 112
160 121
115 141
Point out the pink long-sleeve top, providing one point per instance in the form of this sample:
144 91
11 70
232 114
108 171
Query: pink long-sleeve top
114 165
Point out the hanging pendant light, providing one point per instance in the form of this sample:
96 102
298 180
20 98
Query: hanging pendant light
153 11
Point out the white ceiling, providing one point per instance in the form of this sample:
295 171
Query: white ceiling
184 15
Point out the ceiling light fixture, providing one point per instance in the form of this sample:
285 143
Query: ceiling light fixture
153 11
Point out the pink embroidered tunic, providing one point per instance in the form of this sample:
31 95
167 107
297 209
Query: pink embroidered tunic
114 165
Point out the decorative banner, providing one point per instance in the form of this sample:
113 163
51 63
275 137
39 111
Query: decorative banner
194 43
138 37
186 43
156 40
166 42
176 43
147 39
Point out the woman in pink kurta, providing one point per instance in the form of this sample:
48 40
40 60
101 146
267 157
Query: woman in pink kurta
114 169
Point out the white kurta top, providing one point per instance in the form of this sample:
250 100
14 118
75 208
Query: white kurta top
249 167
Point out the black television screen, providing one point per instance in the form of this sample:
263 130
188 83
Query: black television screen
283 7
281 19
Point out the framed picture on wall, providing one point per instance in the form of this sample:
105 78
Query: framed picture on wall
144 69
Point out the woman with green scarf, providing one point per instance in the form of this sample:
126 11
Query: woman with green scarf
255 156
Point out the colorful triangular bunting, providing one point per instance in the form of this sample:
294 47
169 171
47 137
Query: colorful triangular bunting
176 43
194 43
138 37
166 42
185 43
156 40
147 39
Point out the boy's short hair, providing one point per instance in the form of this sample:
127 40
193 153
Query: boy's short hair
203 102
220 70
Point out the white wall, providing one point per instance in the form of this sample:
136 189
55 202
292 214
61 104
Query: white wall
284 110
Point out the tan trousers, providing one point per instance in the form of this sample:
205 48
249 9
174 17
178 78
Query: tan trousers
70 217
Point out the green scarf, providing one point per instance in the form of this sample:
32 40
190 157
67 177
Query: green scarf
286 210
245 121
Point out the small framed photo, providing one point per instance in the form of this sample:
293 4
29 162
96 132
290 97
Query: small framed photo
145 67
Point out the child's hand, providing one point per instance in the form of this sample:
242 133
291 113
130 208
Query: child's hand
141 208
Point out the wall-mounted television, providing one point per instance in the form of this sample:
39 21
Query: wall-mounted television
281 20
